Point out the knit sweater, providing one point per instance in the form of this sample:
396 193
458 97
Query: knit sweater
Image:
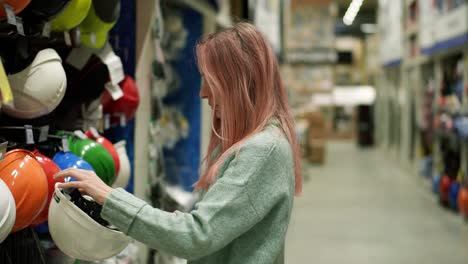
241 219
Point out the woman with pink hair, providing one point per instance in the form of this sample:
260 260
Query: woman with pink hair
249 177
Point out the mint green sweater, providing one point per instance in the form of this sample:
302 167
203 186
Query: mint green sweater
241 219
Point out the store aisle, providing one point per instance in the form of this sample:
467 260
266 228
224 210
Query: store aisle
361 208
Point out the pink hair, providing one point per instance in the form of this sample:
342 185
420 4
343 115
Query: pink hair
242 73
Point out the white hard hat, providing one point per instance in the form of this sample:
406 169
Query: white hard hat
78 230
124 173
38 89
7 211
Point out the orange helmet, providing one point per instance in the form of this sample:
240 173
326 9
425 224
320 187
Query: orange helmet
50 169
27 181
17 5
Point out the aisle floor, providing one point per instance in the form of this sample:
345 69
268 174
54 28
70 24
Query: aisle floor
361 207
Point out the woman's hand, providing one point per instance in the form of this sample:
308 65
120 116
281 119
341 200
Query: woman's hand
88 183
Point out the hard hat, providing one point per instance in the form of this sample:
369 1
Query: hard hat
50 169
27 181
444 188
66 160
73 14
109 147
101 18
127 104
91 114
87 84
453 195
7 211
436 183
125 170
96 155
17 5
44 10
463 201
78 230
38 89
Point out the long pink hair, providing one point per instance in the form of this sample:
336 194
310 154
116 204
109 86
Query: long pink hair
243 77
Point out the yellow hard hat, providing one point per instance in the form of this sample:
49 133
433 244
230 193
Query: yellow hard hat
101 18
72 16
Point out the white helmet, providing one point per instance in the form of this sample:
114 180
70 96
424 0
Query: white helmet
38 89
124 173
78 230
7 211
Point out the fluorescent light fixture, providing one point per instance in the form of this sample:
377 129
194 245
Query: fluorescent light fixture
352 11
369 28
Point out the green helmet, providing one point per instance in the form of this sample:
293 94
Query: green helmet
96 155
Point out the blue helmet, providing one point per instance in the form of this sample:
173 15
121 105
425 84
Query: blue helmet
66 160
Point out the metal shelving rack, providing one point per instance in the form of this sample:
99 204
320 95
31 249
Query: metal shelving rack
413 71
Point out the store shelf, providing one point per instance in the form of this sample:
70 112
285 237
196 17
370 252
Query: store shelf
417 61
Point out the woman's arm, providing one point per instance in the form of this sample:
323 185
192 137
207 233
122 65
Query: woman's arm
226 211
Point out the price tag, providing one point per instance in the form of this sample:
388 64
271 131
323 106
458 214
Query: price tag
123 120
78 57
114 90
80 134
65 145
106 121
159 51
3 149
67 38
92 39
46 30
19 26
94 132
5 89
115 67
11 18
29 134
44 133
113 63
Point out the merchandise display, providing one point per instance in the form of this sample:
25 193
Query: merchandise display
7 211
55 92
34 95
74 216
27 182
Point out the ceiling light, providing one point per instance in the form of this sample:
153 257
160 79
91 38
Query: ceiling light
352 11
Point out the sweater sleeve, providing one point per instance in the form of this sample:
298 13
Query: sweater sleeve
225 212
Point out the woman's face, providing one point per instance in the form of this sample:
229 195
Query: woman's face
205 93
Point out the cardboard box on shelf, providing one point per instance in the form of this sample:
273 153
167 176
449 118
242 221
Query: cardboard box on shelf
316 152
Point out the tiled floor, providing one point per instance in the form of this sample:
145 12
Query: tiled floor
362 208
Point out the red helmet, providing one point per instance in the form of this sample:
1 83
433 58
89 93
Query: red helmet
127 104
50 169
109 147
27 182
17 5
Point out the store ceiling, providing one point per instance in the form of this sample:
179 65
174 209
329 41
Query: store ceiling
367 15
